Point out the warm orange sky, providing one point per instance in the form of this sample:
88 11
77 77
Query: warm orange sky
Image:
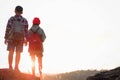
81 34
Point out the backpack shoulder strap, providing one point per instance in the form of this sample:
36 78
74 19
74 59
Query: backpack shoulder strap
35 31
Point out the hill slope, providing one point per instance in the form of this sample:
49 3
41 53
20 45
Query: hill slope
6 74
113 74
75 75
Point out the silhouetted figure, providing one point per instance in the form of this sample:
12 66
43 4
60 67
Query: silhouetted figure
36 37
15 36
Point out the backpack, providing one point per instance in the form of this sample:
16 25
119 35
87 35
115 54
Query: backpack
17 32
35 41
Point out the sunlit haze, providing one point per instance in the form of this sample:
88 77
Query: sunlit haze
81 34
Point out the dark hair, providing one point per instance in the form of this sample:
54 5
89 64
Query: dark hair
18 9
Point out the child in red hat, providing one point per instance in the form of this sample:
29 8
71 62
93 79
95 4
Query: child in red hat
36 37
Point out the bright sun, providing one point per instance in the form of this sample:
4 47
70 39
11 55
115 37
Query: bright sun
25 62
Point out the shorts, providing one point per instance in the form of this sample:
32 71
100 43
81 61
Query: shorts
18 46
37 53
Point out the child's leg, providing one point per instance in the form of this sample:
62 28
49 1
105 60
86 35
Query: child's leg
10 59
40 67
17 60
33 64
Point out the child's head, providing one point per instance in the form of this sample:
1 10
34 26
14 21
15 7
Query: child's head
36 21
18 9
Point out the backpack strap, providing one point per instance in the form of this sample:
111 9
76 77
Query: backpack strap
17 19
35 30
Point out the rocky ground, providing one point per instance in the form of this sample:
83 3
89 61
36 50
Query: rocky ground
113 74
6 74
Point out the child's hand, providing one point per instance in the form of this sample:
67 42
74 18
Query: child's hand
5 42
25 42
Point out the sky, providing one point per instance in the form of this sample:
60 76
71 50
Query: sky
81 34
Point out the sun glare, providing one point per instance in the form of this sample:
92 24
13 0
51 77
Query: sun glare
25 62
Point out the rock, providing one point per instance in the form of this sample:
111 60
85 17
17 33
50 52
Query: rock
113 74
6 74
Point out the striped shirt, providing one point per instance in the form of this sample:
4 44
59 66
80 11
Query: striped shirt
10 22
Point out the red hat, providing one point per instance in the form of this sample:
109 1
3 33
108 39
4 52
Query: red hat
36 20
